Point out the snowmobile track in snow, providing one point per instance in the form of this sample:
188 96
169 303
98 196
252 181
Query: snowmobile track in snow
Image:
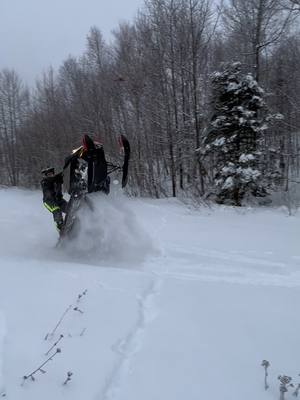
130 345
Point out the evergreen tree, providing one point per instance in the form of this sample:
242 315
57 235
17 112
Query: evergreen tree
232 139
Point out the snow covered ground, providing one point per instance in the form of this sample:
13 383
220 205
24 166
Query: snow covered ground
180 303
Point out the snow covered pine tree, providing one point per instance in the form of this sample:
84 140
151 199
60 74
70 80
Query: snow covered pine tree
231 142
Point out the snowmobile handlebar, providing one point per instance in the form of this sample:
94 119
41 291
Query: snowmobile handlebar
113 167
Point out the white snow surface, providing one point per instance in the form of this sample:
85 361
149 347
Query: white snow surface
229 183
219 141
244 158
181 303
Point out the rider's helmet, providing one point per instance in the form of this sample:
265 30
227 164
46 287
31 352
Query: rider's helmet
49 171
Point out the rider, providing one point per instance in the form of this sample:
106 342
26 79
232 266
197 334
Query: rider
92 153
52 195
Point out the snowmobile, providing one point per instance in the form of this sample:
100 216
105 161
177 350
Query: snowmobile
81 187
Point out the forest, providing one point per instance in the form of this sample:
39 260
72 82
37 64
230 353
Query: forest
208 94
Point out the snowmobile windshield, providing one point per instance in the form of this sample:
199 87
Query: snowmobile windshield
88 143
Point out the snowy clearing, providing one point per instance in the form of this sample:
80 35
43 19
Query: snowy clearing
180 303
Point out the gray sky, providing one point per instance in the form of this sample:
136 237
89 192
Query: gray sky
35 34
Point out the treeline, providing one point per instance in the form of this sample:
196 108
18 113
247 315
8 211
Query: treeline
154 84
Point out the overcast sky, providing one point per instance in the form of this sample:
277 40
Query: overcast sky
35 34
